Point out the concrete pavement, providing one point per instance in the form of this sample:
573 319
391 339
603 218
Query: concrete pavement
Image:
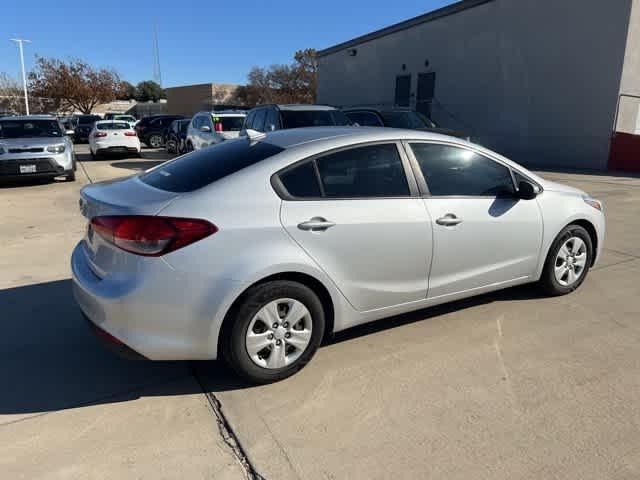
508 385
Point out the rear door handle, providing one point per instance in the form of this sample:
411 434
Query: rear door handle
316 224
449 220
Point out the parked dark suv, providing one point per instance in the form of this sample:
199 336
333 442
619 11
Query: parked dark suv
267 118
82 126
397 117
176 136
152 129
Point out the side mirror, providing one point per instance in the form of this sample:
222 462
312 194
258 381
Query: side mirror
527 191
205 129
69 133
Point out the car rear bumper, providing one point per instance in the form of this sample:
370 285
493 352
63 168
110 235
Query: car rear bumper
153 310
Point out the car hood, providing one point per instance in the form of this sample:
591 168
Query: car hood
561 188
31 142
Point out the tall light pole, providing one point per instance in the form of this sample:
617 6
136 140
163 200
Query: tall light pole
20 41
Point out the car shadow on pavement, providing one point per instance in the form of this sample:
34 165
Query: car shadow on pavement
50 360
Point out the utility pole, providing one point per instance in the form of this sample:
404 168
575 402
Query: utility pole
20 41
157 73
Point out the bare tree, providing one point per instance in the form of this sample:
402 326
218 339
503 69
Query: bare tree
295 83
11 95
74 84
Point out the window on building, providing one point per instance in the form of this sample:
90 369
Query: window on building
455 171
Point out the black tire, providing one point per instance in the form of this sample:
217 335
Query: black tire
189 147
70 177
238 320
548 282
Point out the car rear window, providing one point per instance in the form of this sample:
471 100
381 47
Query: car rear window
203 167
113 126
229 124
88 119
313 118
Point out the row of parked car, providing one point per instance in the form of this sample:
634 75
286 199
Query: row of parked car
180 135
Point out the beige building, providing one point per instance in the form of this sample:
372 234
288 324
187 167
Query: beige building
190 99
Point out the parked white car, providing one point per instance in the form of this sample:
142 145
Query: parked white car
254 249
209 128
113 136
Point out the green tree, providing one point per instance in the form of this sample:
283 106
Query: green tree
149 90
126 91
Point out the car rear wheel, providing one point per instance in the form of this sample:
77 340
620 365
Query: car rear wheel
155 141
274 331
568 261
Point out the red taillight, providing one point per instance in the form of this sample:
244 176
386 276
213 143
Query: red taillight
130 134
218 126
151 236
100 134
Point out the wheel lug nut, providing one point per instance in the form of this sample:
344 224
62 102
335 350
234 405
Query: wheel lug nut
270 336
285 324
287 335
275 325
278 342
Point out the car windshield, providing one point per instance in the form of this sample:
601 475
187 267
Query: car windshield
184 126
313 118
406 119
202 167
29 128
113 126
88 119
229 124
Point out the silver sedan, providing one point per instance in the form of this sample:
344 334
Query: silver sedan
255 249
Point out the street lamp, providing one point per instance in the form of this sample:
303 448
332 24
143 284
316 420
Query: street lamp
20 41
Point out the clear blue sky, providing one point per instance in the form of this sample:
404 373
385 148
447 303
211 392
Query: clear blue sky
200 41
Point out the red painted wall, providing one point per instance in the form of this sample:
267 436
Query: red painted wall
625 152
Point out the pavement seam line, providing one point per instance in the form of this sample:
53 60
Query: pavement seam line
85 171
227 433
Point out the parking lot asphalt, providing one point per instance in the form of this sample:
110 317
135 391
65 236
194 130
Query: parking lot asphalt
509 385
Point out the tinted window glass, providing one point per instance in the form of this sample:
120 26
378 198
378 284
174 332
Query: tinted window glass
200 168
403 120
456 171
364 119
88 119
313 118
248 123
301 181
372 171
258 121
113 126
230 124
29 128
271 121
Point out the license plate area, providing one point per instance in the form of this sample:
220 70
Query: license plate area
28 169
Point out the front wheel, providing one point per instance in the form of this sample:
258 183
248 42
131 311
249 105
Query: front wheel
274 331
568 261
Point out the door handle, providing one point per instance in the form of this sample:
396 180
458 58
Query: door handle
449 220
316 224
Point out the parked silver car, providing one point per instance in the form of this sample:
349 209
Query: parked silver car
35 146
209 128
255 249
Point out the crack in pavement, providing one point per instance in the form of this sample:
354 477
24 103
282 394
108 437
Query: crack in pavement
226 431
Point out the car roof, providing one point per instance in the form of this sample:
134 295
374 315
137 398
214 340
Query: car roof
31 117
287 138
102 122
224 113
369 108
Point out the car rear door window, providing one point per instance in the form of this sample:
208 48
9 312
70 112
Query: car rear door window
455 171
203 167
301 181
369 171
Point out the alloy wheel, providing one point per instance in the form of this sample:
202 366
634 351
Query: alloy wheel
571 261
279 333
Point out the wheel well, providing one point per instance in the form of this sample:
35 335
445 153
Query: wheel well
591 230
307 280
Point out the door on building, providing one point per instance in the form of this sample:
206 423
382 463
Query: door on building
403 90
426 93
